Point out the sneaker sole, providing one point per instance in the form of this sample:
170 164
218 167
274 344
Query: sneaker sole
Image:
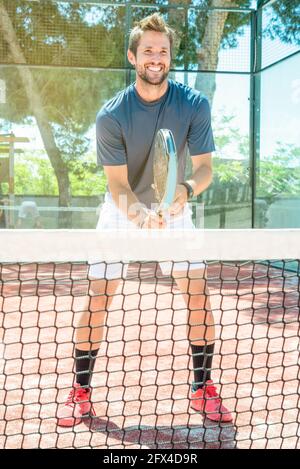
70 422
208 416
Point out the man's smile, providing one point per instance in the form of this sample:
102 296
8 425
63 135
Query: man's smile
153 68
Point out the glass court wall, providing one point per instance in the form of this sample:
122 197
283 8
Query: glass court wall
61 61
277 194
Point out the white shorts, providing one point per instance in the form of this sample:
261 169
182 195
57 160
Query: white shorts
111 218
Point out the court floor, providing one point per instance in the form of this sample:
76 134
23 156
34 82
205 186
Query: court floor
142 374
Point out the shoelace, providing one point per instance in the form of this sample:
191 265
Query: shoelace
211 391
80 394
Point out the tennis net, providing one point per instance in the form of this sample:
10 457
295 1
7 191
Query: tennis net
141 383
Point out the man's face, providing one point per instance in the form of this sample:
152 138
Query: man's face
153 57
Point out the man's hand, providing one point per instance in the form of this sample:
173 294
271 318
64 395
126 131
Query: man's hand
180 200
153 221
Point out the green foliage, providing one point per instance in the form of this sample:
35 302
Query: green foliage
92 35
70 99
61 33
279 174
285 23
34 175
227 136
70 34
230 173
234 27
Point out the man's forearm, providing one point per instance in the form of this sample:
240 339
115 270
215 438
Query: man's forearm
200 179
129 204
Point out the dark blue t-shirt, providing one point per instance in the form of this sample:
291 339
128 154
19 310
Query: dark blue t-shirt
126 127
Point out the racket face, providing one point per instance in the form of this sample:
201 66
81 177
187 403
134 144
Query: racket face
164 168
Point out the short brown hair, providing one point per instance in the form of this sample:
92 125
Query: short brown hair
154 22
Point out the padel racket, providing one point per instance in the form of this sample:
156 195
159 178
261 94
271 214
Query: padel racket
164 169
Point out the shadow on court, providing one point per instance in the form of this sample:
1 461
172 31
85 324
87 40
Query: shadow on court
208 436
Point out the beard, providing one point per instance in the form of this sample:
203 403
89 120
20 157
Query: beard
151 80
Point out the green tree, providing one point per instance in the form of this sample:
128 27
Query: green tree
278 175
64 101
34 175
63 104
285 23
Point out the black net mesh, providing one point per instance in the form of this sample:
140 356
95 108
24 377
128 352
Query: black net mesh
141 384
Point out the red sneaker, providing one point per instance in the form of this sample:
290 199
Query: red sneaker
207 401
76 407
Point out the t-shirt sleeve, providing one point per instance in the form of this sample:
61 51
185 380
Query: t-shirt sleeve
200 136
111 149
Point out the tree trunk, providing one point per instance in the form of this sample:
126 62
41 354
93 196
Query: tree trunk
36 105
177 16
208 54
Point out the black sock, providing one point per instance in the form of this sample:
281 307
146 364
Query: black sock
202 364
85 362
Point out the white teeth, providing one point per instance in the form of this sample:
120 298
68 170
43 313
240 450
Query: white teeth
154 69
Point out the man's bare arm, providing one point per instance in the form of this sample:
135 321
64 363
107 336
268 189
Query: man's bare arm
202 173
126 200
200 180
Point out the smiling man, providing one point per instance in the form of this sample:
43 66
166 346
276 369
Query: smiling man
126 127
150 54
